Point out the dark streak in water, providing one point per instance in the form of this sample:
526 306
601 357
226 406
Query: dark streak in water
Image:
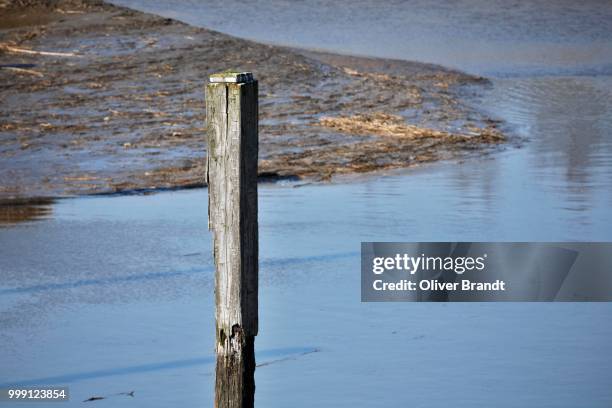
164 275
293 352
104 281
288 358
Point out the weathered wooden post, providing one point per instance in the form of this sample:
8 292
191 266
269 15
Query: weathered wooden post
231 112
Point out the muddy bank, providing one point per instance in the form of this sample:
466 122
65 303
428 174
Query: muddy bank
115 103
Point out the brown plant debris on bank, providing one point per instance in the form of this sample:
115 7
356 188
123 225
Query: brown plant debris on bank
386 125
101 99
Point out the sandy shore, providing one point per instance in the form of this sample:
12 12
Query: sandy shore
115 103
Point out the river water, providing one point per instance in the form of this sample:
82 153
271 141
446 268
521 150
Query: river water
114 294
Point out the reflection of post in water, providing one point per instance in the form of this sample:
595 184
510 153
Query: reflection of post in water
231 104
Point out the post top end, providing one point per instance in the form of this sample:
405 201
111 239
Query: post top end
231 77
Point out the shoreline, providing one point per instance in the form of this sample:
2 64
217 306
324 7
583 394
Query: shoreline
28 209
125 111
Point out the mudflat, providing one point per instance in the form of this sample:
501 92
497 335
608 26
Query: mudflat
102 99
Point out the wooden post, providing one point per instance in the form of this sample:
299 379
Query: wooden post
231 112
